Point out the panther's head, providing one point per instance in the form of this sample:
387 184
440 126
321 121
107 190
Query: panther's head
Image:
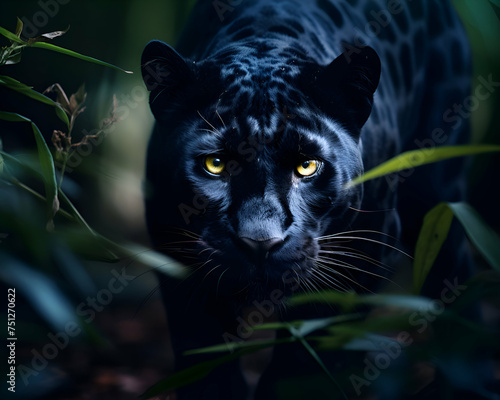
249 160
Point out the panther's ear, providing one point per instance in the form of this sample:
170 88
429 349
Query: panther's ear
345 88
166 75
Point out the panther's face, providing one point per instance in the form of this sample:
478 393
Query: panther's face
244 181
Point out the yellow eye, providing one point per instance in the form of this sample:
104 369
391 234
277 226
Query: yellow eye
307 168
214 164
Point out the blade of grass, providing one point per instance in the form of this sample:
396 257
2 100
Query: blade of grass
198 371
28 91
479 232
416 158
112 250
9 35
233 346
435 230
46 163
296 334
351 300
71 53
40 290
432 235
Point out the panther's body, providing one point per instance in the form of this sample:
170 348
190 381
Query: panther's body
260 97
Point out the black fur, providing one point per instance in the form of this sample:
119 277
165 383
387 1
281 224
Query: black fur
269 86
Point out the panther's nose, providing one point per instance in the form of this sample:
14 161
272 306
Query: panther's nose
262 247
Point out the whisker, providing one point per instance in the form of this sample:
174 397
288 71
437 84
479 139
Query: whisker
182 231
342 275
209 272
221 120
218 282
338 285
311 283
352 267
359 257
372 241
208 123
356 231
371 211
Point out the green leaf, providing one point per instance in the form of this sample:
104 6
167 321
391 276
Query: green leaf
19 28
28 91
416 158
40 290
278 325
46 163
51 47
249 346
155 260
479 232
186 376
348 301
432 235
435 230
11 36
296 333
88 245
312 325
14 57
196 372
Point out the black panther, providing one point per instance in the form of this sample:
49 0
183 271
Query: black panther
264 112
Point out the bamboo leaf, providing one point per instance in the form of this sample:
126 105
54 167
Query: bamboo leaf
479 232
11 36
296 333
40 290
19 28
352 300
416 158
434 231
250 346
157 261
347 301
197 372
278 325
186 376
312 325
46 163
28 91
71 53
